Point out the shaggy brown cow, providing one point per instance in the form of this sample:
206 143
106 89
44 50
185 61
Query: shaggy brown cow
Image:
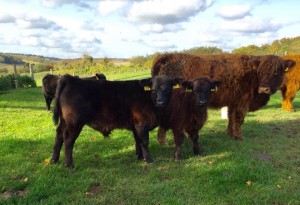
49 84
291 84
247 81
187 112
107 105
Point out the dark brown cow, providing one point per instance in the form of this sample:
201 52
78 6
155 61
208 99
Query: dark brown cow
107 105
187 112
247 81
49 84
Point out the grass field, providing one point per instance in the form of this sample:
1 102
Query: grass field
264 168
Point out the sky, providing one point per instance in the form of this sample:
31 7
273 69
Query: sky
128 28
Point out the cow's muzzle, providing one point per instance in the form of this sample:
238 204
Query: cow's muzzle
266 90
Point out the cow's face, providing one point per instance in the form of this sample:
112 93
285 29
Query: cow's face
271 71
161 89
201 88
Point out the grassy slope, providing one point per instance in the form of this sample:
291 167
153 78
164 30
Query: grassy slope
108 173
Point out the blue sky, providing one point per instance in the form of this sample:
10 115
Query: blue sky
127 28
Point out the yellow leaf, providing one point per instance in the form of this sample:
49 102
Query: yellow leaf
249 182
25 179
210 162
278 186
47 161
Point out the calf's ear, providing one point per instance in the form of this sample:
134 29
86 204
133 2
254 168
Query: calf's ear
187 85
177 82
146 83
215 85
289 64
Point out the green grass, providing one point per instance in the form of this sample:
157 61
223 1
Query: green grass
138 74
107 172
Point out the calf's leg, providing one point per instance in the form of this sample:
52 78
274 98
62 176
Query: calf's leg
138 148
194 136
71 133
58 142
161 135
142 136
178 139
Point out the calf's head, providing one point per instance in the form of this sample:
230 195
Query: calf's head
161 89
201 88
270 72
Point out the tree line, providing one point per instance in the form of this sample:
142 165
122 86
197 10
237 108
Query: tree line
89 65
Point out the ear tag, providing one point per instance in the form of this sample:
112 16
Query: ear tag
286 69
147 88
214 89
176 86
188 90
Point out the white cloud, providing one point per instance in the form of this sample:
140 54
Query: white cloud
6 18
107 7
167 11
159 28
36 23
251 25
234 11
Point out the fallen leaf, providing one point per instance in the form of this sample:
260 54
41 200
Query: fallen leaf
25 179
278 186
290 177
47 161
249 183
210 162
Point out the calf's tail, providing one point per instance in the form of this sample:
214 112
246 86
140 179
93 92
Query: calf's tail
57 108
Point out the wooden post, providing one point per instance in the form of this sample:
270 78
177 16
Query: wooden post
51 71
31 70
15 74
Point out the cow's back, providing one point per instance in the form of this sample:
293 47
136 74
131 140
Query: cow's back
104 105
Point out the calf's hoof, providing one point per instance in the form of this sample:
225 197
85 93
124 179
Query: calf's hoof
149 160
53 161
238 137
69 166
140 157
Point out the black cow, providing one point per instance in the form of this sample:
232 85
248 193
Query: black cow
107 105
49 84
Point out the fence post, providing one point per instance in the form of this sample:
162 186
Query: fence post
31 70
15 74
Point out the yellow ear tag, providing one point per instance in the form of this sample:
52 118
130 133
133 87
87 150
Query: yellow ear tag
214 89
286 69
147 88
176 86
188 90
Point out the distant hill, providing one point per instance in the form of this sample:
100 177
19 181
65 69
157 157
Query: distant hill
278 47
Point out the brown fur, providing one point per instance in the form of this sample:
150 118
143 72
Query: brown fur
291 84
247 81
187 112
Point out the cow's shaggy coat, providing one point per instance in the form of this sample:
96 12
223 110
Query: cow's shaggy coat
247 81
291 84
